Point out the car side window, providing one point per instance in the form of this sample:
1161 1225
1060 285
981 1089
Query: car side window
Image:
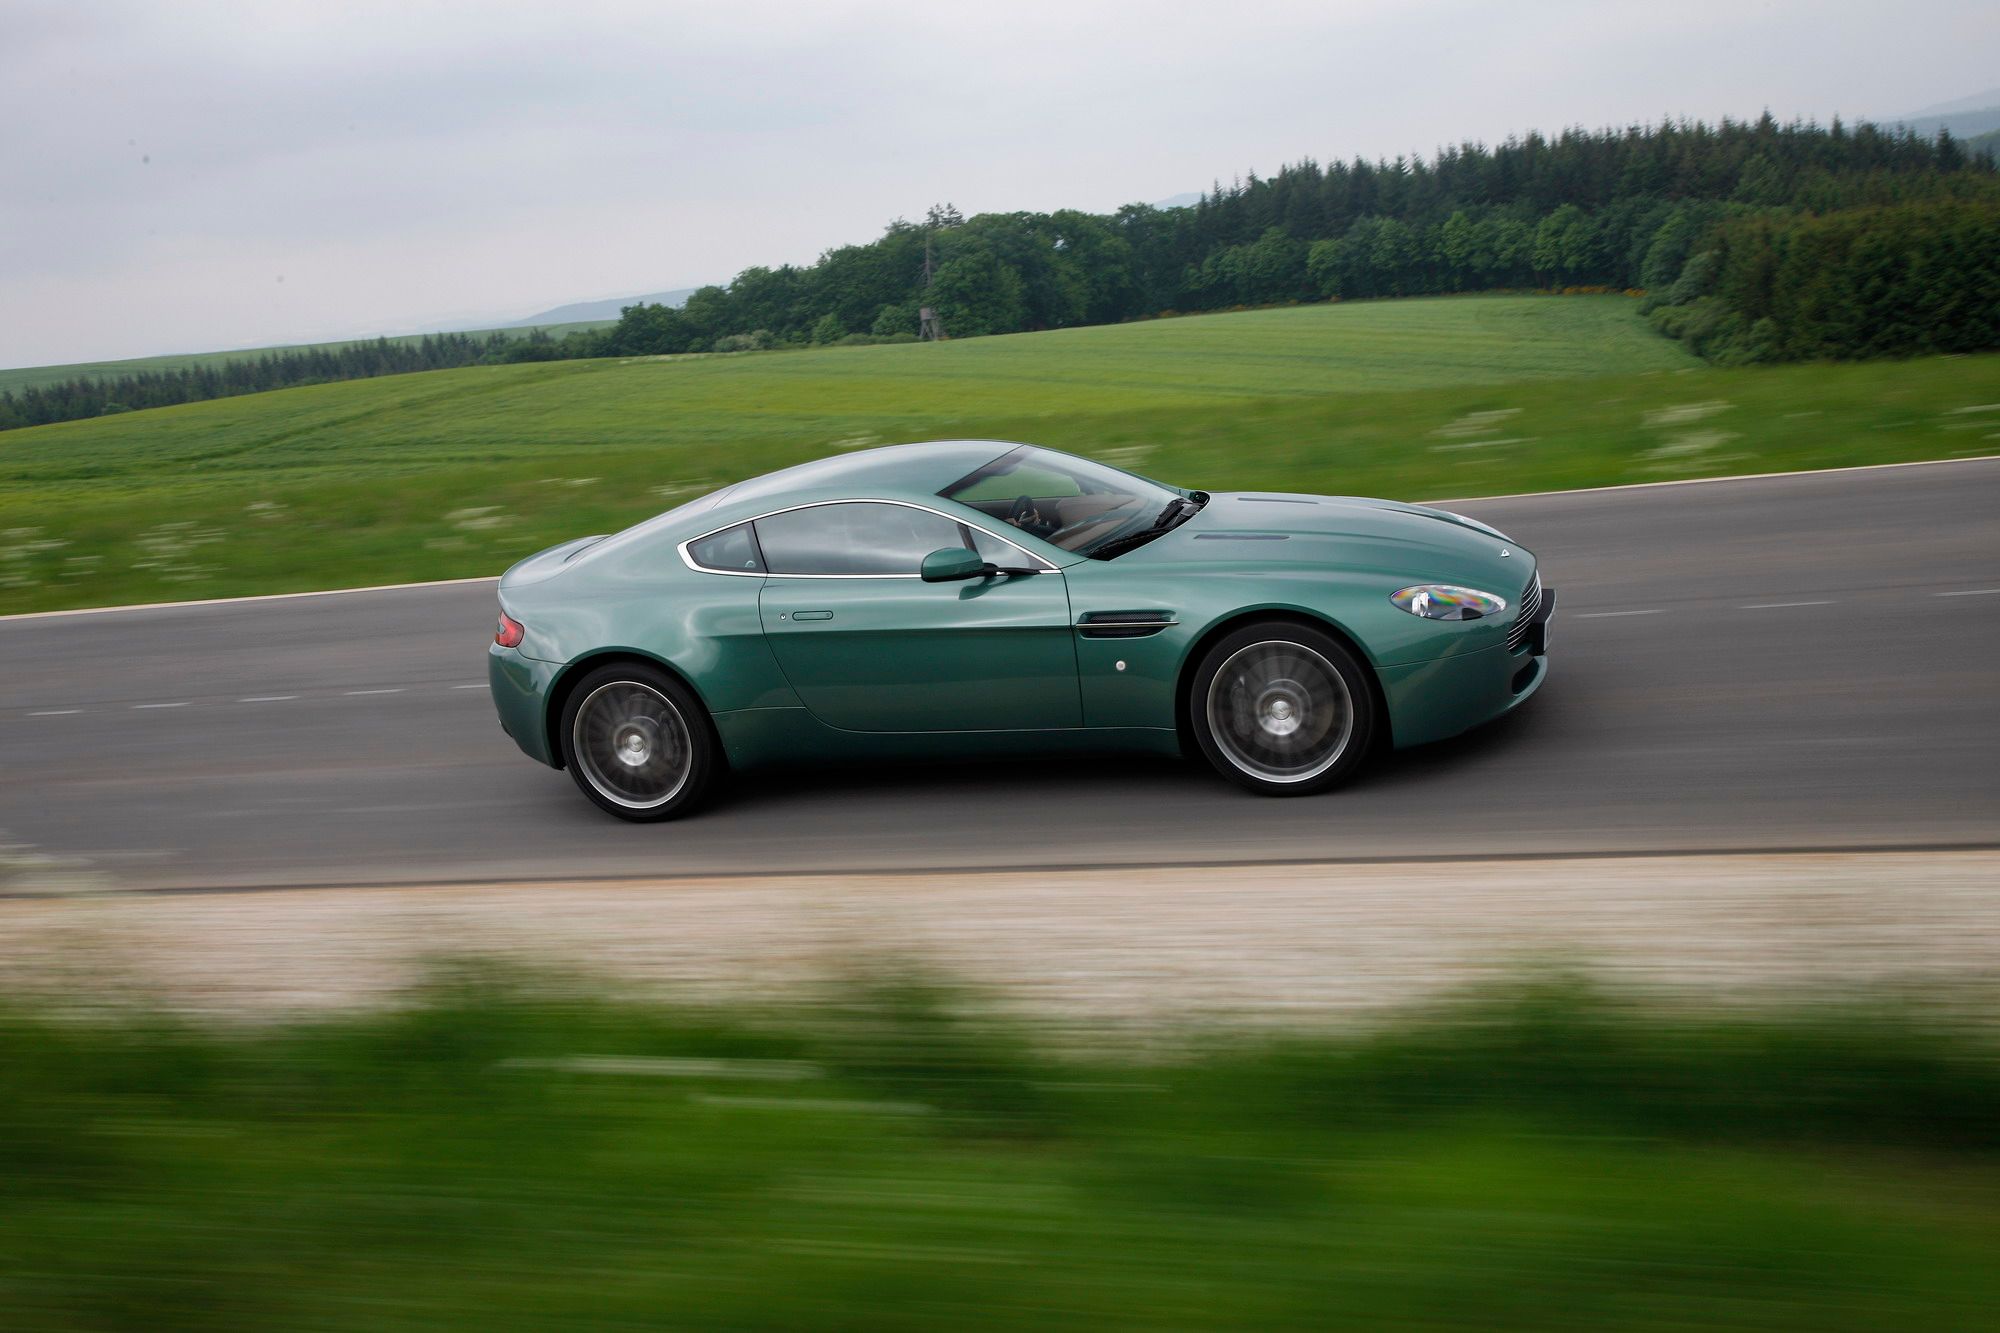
732 550
996 552
860 538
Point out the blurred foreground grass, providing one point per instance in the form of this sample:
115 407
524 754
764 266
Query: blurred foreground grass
458 473
505 1153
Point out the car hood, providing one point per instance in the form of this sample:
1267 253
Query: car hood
1405 542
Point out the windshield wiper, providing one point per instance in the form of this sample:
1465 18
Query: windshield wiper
1178 510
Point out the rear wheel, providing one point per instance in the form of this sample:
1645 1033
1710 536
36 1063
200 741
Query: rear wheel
638 743
1282 709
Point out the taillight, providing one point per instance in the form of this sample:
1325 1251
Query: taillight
510 633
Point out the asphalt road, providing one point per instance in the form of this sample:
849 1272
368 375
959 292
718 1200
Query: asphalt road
1797 662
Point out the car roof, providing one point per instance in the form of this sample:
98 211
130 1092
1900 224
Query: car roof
908 471
923 469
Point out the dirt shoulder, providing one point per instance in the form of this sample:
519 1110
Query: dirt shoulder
1258 944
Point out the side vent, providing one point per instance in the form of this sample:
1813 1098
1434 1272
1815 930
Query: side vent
1123 624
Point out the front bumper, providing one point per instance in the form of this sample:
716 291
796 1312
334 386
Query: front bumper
1436 700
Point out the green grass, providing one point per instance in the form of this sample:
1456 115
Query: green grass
29 377
1543 1160
457 473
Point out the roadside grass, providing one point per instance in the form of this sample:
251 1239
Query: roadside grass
505 1152
458 473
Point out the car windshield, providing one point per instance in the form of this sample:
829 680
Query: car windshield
1070 502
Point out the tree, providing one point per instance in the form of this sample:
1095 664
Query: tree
975 293
893 319
1394 255
1325 265
1549 238
1274 268
1457 244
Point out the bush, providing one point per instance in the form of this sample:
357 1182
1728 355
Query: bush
757 340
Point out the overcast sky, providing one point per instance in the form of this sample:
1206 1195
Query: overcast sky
189 175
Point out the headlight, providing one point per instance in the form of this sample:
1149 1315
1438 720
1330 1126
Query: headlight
1444 601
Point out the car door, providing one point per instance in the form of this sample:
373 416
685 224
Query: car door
869 646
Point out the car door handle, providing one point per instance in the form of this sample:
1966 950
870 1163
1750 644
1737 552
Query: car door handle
812 615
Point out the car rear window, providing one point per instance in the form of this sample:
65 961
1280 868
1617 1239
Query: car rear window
732 550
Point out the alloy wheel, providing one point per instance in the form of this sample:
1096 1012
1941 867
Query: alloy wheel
632 744
1280 712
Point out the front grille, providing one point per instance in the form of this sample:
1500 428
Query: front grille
1531 602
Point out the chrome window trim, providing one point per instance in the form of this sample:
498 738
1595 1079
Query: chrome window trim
1045 566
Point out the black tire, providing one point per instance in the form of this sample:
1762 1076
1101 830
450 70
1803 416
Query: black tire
1282 709
638 743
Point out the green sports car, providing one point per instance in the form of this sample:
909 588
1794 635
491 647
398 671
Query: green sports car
973 597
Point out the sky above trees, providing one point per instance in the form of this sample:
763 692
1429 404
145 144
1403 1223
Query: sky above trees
207 175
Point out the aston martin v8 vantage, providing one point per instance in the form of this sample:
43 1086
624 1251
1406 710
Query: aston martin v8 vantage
973 597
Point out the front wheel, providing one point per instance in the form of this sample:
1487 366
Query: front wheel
1282 709
638 743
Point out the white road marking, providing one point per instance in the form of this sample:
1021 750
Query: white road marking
397 690
272 596
1606 615
1773 606
54 712
1969 592
478 685
267 698
179 703
1679 481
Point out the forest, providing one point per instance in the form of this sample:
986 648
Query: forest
1753 241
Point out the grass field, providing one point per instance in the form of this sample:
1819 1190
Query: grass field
497 1155
28 377
456 473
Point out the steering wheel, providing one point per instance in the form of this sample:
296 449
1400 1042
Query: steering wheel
1027 515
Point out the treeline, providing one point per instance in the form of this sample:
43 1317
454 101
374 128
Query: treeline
1711 221
1897 281
1612 209
91 397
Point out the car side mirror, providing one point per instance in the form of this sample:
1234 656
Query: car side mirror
951 564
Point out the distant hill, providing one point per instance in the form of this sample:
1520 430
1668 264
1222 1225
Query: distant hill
1966 118
1187 200
1976 102
1988 142
582 312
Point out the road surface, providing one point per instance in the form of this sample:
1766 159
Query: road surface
1796 662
